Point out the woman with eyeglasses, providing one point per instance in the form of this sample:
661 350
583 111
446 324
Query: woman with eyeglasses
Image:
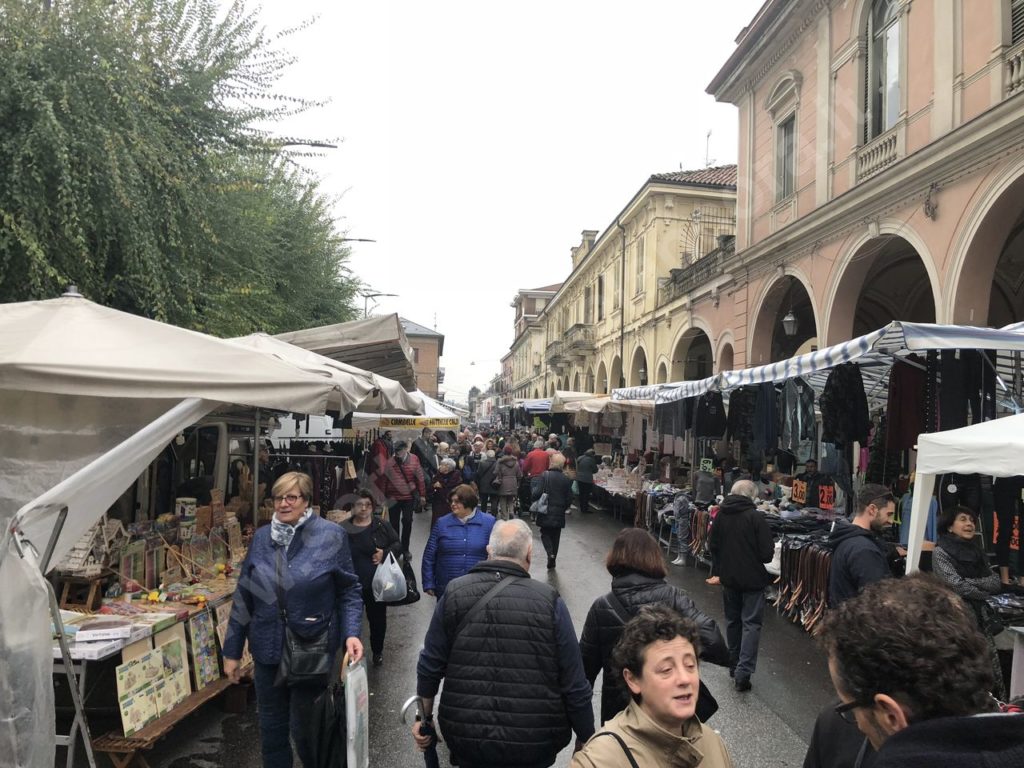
457 542
370 539
959 560
298 575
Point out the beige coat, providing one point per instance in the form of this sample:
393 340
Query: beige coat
651 745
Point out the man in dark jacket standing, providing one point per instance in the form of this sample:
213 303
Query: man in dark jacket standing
586 466
514 687
859 555
742 543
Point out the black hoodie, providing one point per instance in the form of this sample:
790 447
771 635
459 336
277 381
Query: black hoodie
858 559
741 542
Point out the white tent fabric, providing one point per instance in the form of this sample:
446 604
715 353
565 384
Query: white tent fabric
357 389
538 405
434 415
377 344
72 346
563 397
604 404
76 381
992 448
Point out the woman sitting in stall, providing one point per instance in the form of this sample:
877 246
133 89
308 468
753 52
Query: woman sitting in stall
959 560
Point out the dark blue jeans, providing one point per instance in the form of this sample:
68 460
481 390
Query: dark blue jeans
283 711
744 614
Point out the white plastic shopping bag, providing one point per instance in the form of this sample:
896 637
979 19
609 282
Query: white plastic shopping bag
388 581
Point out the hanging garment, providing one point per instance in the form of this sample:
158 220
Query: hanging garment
710 418
1009 513
797 415
906 405
906 503
740 423
953 394
844 406
766 420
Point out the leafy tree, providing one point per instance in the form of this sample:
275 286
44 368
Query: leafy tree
136 163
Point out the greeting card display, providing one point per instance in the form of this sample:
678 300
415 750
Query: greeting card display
202 640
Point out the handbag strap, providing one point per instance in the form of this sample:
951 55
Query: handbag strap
629 753
619 608
479 604
281 607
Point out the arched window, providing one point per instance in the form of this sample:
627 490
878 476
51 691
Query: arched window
882 75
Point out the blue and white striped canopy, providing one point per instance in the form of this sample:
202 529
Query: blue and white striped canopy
542 405
873 351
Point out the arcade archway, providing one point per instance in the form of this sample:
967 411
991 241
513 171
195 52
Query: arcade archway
785 325
638 369
692 358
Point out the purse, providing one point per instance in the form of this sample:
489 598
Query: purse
303 660
540 506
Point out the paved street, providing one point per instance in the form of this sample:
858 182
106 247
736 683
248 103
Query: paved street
767 727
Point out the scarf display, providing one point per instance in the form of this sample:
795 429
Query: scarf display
282 533
968 558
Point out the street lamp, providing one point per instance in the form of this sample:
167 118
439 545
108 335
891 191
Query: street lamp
366 301
790 324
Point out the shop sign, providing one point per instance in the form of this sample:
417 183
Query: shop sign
418 421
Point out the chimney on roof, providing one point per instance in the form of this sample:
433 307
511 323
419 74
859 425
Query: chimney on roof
587 239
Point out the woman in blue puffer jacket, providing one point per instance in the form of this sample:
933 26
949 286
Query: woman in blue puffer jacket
306 559
457 542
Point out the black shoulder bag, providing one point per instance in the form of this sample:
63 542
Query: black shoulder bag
707 705
303 661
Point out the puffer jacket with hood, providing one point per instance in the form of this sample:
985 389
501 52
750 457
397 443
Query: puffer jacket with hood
858 559
603 628
508 473
742 543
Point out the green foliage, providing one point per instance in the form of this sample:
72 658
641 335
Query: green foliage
134 163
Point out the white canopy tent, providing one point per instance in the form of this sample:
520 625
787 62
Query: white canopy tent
88 397
358 389
605 404
993 448
563 397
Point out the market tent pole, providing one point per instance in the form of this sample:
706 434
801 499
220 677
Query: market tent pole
256 471
923 485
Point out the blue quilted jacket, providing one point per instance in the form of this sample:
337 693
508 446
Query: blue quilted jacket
453 548
320 589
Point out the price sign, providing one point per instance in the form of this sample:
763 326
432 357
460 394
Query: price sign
707 465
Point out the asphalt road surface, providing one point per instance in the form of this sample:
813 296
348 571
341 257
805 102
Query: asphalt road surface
768 726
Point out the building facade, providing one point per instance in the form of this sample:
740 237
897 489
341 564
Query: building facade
621 317
427 348
524 360
881 170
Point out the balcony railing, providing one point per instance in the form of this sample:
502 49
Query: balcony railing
1014 59
579 340
879 154
556 352
690 277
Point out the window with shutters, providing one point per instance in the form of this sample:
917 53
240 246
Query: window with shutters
785 158
1016 21
882 74
617 292
600 297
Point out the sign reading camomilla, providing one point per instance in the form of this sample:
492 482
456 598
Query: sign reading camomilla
418 421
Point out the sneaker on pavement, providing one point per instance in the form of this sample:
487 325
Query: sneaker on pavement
743 684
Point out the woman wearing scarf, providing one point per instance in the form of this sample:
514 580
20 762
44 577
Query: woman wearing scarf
959 560
321 593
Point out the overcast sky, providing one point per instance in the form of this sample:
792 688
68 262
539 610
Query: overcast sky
479 139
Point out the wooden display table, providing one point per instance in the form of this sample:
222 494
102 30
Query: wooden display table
125 751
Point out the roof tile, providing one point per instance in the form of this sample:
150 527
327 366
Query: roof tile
718 176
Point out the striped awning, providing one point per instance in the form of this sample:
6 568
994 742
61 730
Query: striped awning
542 405
874 352
638 393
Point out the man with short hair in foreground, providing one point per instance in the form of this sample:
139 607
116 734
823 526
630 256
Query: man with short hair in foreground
912 670
514 685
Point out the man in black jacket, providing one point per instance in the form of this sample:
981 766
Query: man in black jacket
859 555
742 543
912 671
514 686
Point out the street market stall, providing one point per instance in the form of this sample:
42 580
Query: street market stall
88 397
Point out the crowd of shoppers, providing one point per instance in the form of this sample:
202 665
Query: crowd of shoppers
518 684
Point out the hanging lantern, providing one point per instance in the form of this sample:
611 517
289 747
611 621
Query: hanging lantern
790 324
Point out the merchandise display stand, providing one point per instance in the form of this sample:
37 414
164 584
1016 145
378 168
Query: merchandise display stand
126 751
